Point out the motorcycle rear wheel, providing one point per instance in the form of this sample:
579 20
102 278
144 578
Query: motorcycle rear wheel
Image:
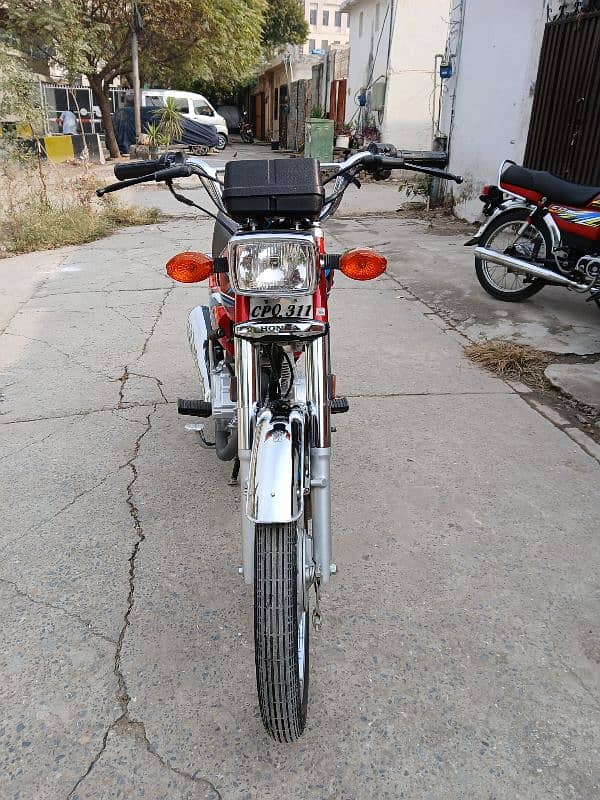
281 630
500 282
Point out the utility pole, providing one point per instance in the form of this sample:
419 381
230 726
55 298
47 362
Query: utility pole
136 27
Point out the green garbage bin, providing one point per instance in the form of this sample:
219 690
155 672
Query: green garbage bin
318 139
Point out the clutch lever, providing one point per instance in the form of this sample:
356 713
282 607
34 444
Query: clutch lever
114 187
180 171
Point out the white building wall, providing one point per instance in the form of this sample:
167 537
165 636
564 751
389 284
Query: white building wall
419 33
369 40
487 102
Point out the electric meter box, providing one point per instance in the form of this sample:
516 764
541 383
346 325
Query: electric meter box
378 96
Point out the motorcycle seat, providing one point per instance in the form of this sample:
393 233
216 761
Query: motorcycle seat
548 185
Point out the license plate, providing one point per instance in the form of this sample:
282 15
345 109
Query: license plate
268 308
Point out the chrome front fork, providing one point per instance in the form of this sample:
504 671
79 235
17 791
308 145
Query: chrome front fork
247 374
247 370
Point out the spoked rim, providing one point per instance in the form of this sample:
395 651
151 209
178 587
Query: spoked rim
530 246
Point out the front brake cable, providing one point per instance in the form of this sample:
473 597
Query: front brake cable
186 200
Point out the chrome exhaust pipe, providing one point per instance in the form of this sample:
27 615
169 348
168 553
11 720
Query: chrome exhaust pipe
518 265
199 326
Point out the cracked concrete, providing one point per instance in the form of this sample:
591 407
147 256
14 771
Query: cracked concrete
460 650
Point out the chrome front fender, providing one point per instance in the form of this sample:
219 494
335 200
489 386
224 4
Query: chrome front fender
277 467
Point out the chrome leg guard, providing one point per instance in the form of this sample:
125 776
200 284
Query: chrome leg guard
199 326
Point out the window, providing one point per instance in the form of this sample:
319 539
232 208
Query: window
377 9
338 19
326 18
202 107
313 15
182 104
152 100
325 44
312 45
360 23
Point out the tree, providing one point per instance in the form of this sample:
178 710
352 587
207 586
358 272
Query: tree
284 24
182 40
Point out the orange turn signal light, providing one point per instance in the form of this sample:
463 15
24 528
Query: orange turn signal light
189 267
362 264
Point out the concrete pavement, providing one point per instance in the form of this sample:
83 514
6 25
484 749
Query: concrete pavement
460 651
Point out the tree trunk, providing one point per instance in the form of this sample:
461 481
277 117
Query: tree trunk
101 93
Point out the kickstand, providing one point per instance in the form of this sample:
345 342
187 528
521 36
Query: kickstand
234 475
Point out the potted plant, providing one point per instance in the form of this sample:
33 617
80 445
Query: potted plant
370 134
343 136
153 138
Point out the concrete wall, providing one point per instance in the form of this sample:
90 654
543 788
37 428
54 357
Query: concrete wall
419 32
487 102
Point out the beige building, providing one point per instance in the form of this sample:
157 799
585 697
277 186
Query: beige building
269 103
328 25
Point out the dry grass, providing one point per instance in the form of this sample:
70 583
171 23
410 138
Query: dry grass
510 360
42 209
38 226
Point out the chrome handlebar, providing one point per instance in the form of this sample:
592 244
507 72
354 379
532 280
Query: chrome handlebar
169 167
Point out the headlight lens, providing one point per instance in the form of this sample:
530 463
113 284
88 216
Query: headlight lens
273 267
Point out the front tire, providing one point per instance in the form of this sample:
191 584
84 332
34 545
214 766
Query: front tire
500 282
221 141
281 629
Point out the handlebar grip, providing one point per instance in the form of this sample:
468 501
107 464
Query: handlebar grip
388 162
137 169
180 171
398 163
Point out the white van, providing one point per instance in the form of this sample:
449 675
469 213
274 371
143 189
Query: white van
191 105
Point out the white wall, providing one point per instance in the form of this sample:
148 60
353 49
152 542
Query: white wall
419 33
487 102
367 61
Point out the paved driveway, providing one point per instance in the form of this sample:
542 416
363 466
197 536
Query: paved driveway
460 650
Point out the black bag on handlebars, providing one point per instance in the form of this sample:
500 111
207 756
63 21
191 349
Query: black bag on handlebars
289 188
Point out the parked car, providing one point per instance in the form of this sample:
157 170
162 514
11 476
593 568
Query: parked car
192 105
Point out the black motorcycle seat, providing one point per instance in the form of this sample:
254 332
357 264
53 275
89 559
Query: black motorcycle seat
548 185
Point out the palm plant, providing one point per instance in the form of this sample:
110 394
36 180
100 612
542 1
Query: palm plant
169 125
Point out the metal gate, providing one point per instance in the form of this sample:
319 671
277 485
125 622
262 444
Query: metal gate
564 132
57 97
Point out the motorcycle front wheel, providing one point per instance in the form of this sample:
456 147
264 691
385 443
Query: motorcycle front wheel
533 245
247 137
281 629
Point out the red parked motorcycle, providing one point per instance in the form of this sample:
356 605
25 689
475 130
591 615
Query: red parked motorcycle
542 230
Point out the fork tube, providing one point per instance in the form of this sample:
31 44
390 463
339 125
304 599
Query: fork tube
246 370
317 394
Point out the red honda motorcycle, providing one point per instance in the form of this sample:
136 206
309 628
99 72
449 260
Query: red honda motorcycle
261 347
541 230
